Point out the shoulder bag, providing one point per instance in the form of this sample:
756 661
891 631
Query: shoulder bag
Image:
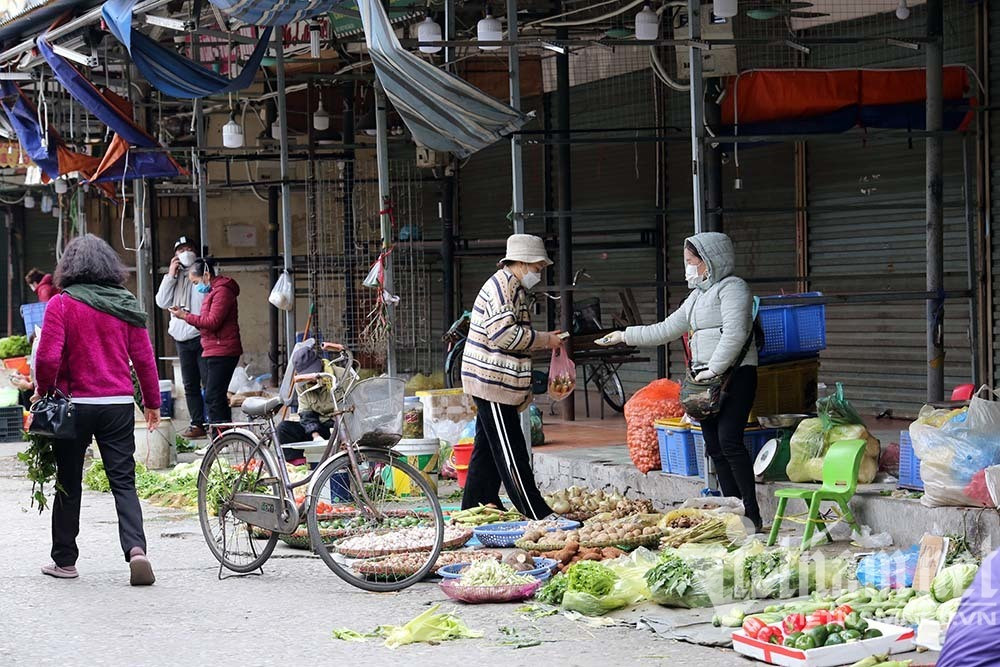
54 414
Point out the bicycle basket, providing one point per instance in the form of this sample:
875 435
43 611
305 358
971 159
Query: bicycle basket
378 407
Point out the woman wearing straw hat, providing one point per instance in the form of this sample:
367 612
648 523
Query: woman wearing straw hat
496 372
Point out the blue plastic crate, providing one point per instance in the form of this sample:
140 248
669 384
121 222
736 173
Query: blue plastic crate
699 451
677 451
753 439
909 464
793 330
32 314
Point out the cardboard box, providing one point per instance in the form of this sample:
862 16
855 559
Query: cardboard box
894 639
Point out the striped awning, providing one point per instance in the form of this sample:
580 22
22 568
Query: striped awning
443 112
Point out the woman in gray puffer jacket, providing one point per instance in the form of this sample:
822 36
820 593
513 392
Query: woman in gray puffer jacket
718 316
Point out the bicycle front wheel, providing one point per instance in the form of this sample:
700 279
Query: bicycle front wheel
607 381
357 516
234 464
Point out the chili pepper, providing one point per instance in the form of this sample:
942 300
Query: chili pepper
794 623
771 635
752 626
845 608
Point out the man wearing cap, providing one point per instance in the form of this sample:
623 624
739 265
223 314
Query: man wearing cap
496 372
315 406
177 291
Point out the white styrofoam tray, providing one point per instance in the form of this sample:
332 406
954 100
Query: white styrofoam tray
894 639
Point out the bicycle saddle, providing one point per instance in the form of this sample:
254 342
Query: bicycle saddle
260 406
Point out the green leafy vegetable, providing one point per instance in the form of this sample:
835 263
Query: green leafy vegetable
919 608
952 581
14 346
587 576
41 462
428 627
96 479
553 590
947 611
348 635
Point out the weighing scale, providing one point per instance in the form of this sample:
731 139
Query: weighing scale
774 456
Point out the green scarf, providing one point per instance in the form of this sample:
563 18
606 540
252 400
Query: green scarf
115 301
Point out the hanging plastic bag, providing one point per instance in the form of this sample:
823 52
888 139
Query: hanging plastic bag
283 293
836 410
562 374
984 412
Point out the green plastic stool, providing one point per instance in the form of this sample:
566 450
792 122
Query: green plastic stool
840 480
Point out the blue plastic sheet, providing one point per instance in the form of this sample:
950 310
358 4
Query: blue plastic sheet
268 12
169 71
889 570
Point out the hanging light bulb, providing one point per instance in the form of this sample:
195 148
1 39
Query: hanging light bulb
428 31
489 30
725 8
902 11
314 30
46 203
29 201
321 118
61 186
647 24
232 133
276 131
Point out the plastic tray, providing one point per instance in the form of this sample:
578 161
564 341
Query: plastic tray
505 534
909 464
543 569
894 640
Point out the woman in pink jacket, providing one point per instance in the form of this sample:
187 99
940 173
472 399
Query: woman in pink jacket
93 331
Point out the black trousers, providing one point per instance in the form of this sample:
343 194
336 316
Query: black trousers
501 455
112 426
194 373
724 441
290 431
220 373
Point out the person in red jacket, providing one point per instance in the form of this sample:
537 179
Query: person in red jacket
41 284
219 325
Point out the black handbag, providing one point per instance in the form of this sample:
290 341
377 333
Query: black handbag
54 415
703 400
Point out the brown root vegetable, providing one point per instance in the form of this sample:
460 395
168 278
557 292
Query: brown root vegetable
519 560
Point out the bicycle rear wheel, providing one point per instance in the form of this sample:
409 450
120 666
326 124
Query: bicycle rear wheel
234 464
398 505
607 381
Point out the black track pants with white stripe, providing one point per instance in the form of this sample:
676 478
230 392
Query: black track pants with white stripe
501 455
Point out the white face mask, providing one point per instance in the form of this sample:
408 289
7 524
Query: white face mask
186 258
691 275
530 279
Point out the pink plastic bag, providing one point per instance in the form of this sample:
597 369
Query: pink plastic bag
562 374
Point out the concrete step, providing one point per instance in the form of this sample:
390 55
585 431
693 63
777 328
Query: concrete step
905 519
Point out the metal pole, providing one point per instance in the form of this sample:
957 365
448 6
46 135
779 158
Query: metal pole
697 117
446 209
382 154
713 163
274 326
141 265
935 203
516 168
565 202
449 31
286 189
347 202
970 249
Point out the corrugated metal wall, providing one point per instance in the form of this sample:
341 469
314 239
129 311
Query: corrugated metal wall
867 234
993 178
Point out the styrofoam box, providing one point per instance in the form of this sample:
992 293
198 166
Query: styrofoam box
894 639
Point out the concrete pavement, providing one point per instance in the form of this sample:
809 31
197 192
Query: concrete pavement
285 616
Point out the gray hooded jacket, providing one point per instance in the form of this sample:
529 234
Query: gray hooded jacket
718 314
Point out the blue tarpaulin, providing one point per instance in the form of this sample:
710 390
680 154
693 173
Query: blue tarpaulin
169 71
280 13
23 118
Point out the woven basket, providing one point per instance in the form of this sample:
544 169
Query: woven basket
453 543
393 567
300 538
487 594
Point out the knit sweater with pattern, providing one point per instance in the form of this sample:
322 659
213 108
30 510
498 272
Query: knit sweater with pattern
496 365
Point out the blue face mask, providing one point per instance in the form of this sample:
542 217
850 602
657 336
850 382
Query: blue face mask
203 288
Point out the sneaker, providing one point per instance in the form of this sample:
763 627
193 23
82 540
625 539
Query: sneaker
60 572
194 433
140 570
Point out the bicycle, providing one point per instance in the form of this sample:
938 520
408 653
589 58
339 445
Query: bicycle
246 495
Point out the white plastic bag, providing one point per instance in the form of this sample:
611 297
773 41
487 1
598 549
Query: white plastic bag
984 412
242 383
283 293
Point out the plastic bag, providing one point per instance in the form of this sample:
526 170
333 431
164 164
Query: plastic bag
813 437
950 457
283 293
241 383
835 409
629 587
892 570
978 491
984 412
537 432
714 504
659 399
562 374
689 579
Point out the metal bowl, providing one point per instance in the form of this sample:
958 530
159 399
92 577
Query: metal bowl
781 421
